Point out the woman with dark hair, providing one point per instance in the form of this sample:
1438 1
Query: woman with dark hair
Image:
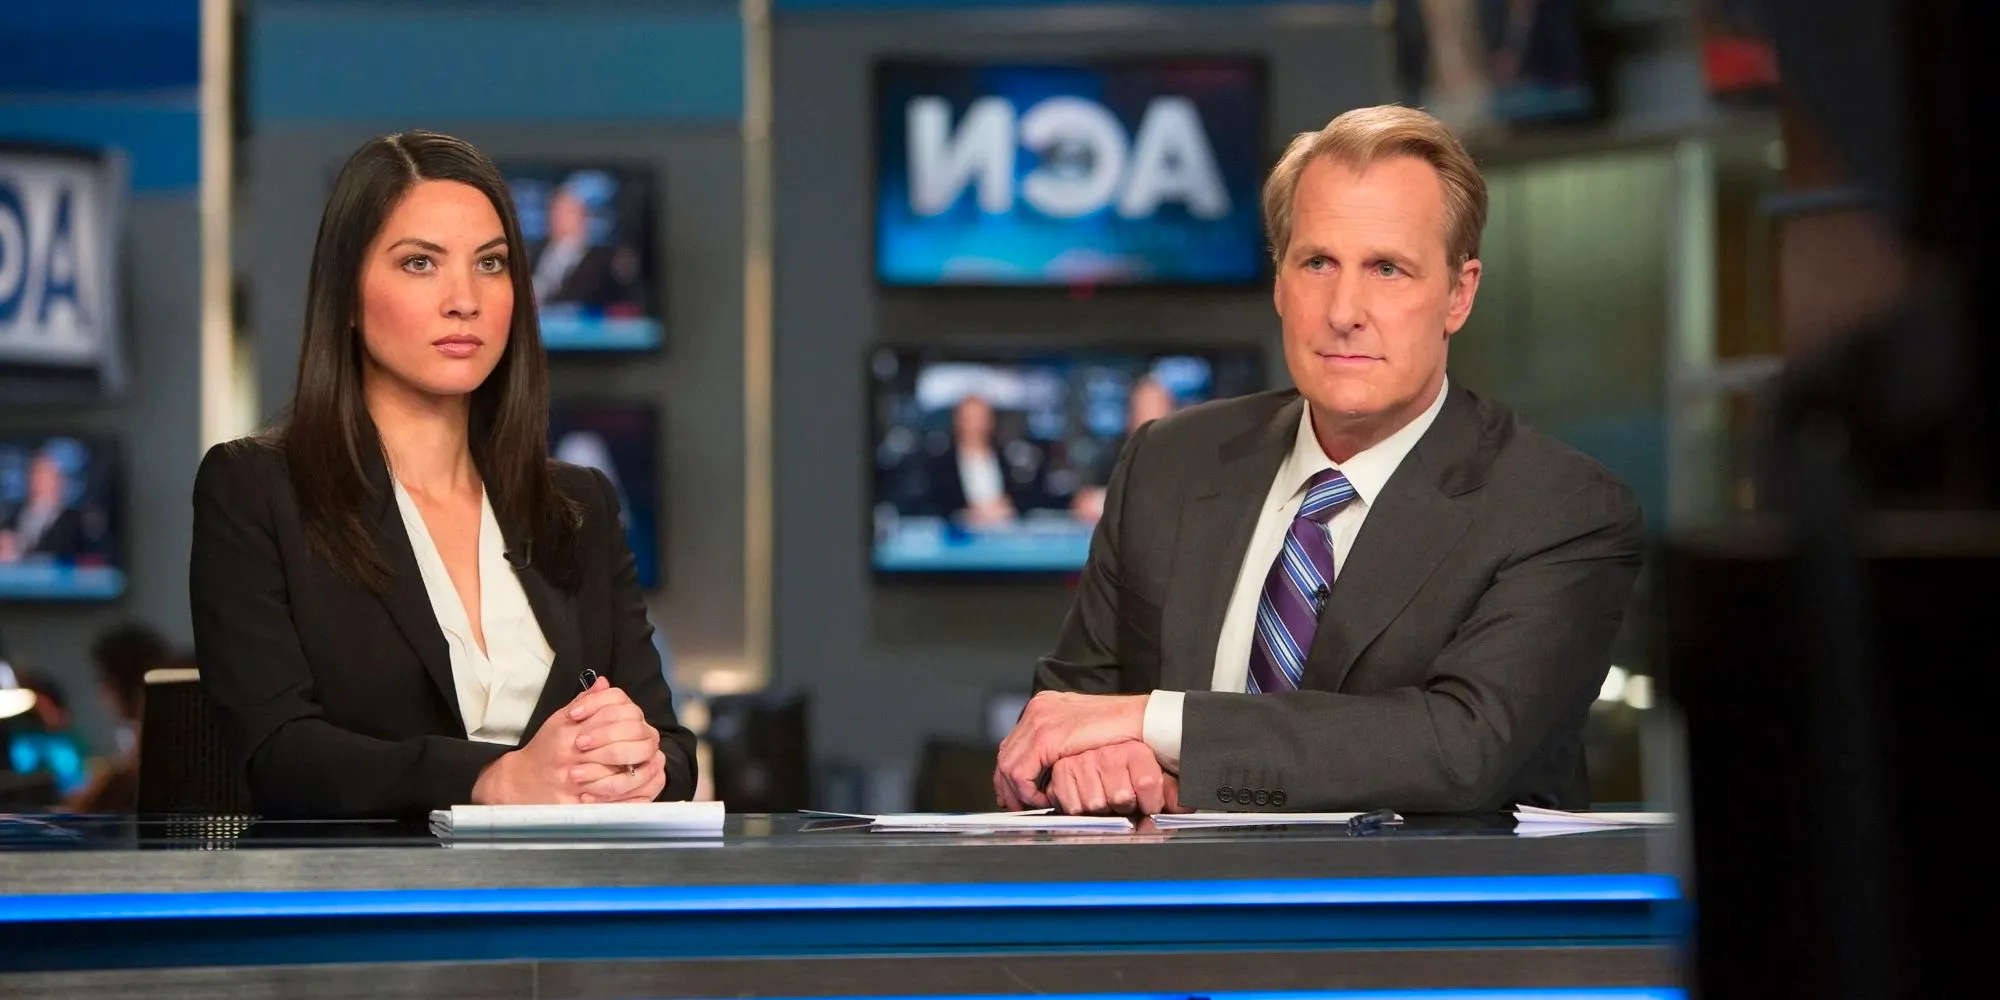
401 603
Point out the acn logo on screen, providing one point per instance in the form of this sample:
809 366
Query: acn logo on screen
1128 172
1084 163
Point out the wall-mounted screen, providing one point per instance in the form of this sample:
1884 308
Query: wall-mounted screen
60 519
59 318
621 440
1134 172
998 462
1475 63
589 230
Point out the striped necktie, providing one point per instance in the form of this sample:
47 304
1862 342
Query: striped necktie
1296 588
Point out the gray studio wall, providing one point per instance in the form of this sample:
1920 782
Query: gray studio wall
887 664
153 120
651 84
158 426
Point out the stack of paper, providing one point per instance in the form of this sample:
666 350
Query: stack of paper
1206 820
1038 820
629 819
1534 821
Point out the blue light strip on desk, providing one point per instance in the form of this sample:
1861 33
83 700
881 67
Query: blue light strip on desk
771 899
1555 993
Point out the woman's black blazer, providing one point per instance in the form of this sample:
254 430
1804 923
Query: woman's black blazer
337 701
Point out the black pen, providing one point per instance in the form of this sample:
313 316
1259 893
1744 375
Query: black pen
1373 821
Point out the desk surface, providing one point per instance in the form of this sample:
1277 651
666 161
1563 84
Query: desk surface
80 855
781 907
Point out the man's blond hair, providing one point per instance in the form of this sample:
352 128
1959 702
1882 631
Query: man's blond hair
1365 136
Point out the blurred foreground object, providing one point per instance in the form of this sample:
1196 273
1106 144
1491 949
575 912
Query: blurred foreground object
1832 660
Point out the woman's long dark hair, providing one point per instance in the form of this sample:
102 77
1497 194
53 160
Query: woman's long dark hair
330 441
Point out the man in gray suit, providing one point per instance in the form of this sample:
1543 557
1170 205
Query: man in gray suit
1379 590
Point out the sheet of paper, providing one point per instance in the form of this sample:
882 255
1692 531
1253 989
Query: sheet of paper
606 818
1035 820
1196 820
1013 822
1525 816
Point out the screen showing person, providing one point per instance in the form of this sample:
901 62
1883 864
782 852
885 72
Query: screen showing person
1126 172
589 232
58 519
621 441
997 463
1477 62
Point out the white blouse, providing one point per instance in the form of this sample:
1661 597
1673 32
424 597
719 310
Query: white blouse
498 688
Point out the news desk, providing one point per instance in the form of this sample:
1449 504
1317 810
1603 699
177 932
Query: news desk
780 906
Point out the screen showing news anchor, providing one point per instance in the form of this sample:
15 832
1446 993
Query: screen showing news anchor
999 463
1474 63
1116 173
589 231
59 519
620 440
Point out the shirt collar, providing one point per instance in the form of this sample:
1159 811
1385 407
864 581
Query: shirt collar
1369 470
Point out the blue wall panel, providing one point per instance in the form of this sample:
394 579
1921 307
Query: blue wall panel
413 65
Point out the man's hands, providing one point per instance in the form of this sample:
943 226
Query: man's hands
580 755
1117 780
1057 725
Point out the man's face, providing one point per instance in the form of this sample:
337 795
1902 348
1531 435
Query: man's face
973 420
45 481
1150 401
1366 295
568 220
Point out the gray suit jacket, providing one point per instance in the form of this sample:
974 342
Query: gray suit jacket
1459 652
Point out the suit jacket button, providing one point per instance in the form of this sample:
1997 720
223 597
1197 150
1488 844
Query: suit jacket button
1278 799
1243 797
1225 794
1263 797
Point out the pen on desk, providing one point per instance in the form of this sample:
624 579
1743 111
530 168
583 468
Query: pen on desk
1373 821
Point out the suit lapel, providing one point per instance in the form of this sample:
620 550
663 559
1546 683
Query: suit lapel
409 604
406 600
1413 525
1216 525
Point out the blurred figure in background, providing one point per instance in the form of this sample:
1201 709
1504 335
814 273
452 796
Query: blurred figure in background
972 479
570 267
41 741
122 657
1148 402
44 524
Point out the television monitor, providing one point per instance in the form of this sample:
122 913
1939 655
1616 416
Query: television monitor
60 522
1477 63
1130 172
996 463
60 212
620 440
589 230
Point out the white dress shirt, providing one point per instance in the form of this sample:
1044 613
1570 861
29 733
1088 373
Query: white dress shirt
497 687
980 477
1368 471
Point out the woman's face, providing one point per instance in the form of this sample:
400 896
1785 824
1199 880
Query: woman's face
437 300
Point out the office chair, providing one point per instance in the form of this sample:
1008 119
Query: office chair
760 749
956 775
183 768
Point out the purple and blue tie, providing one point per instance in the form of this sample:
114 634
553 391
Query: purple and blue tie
1296 588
